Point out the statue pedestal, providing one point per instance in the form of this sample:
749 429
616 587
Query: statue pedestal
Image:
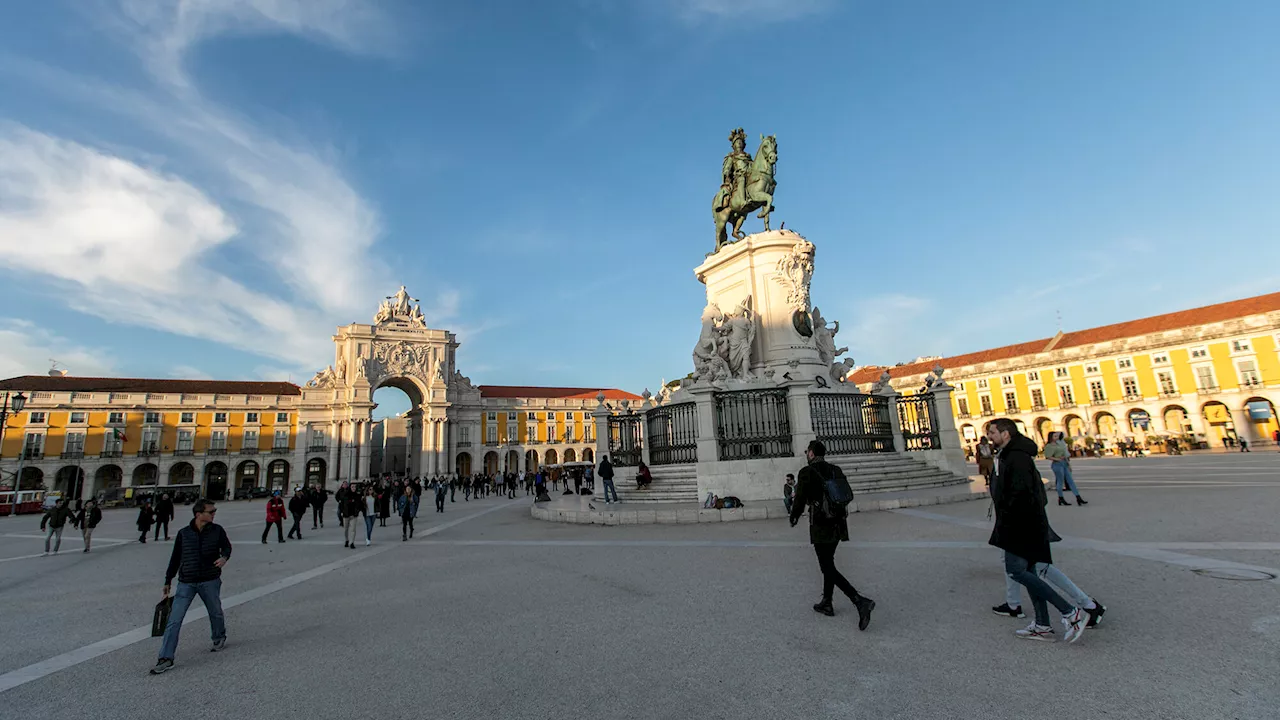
773 269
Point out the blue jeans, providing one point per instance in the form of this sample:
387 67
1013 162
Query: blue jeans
1040 592
210 592
368 528
1061 473
608 487
1052 575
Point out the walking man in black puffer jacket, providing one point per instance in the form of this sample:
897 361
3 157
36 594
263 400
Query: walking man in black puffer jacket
199 552
826 533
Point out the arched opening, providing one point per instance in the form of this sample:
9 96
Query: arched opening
397 410
215 480
531 461
491 463
247 475
69 480
588 455
1022 427
181 474
1139 421
1262 419
513 461
551 458
463 464
32 479
1043 426
570 455
1175 421
1074 426
1106 424
146 474
1219 424
317 472
278 475
107 477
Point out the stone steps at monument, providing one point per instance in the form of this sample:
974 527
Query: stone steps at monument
886 472
671 484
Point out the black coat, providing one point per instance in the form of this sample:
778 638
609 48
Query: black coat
89 517
195 552
809 491
1022 527
164 510
298 505
146 518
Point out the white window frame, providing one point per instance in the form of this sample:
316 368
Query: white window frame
1200 352
1244 345
282 417
1137 389
493 417
1213 377
153 417
150 439
187 418
1037 392
1033 376
1061 372
1240 373
281 434
962 405
251 417
1006 380
189 436
1160 358
71 417
1011 406
37 445
115 417
1066 394
1094 369
1172 384
1124 363
249 439
220 418
983 384
218 440
491 434
984 404
37 417
75 438
1100 396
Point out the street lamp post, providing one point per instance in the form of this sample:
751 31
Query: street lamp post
18 402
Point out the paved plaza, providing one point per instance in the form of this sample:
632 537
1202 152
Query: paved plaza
489 613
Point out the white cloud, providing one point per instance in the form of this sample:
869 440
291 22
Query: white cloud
765 10
26 349
188 372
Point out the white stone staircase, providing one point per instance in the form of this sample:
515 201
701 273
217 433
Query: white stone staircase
671 484
889 472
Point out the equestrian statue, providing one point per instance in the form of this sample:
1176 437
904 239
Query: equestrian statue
746 185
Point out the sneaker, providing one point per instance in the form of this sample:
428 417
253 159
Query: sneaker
865 606
162 665
1095 615
1073 625
367 543
1033 631
1004 609
219 645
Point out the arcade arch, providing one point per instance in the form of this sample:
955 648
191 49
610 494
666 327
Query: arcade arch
181 474
146 474
69 480
247 475
215 480
1261 414
463 463
491 463
106 477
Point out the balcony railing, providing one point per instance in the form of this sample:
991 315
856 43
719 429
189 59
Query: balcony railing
111 454
184 451
1099 401
249 450
464 443
149 451
963 415
216 451
318 448
491 443
533 442
280 450
988 413
1170 394
32 454
1067 405
1207 390
1012 410
72 455
1251 382
1038 407
1132 398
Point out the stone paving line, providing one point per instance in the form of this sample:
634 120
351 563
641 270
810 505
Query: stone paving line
1144 551
35 671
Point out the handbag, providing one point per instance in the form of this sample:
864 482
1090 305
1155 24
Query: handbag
160 620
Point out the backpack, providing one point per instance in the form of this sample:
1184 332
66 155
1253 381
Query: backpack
836 496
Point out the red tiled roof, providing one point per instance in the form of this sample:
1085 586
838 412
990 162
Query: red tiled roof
524 391
1144 326
69 383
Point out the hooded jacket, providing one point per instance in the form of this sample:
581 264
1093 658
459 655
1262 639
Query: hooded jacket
1022 527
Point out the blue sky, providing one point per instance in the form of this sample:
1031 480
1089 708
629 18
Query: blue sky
195 188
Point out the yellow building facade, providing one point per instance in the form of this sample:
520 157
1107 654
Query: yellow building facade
1209 377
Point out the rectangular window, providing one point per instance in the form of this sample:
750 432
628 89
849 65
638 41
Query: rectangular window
492 435
112 443
152 418
1240 346
1160 359
985 401
1165 379
493 417
982 384
318 439
282 417
959 387
218 440
187 418
220 418
250 440
1034 376
151 440
1065 395
963 405
1197 353
1130 385
511 432
464 434
1091 369
1248 373
251 417
186 441
1010 402
75 444
1006 379
1204 378
34 446
281 440
77 418
1124 363
115 418
531 432
1096 393
1060 372
551 417
1037 398
35 418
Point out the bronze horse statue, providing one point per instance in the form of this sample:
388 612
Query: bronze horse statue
754 192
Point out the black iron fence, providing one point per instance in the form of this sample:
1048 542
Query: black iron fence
673 434
625 441
851 424
918 415
753 424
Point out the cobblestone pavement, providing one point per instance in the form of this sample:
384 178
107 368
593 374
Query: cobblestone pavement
488 613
